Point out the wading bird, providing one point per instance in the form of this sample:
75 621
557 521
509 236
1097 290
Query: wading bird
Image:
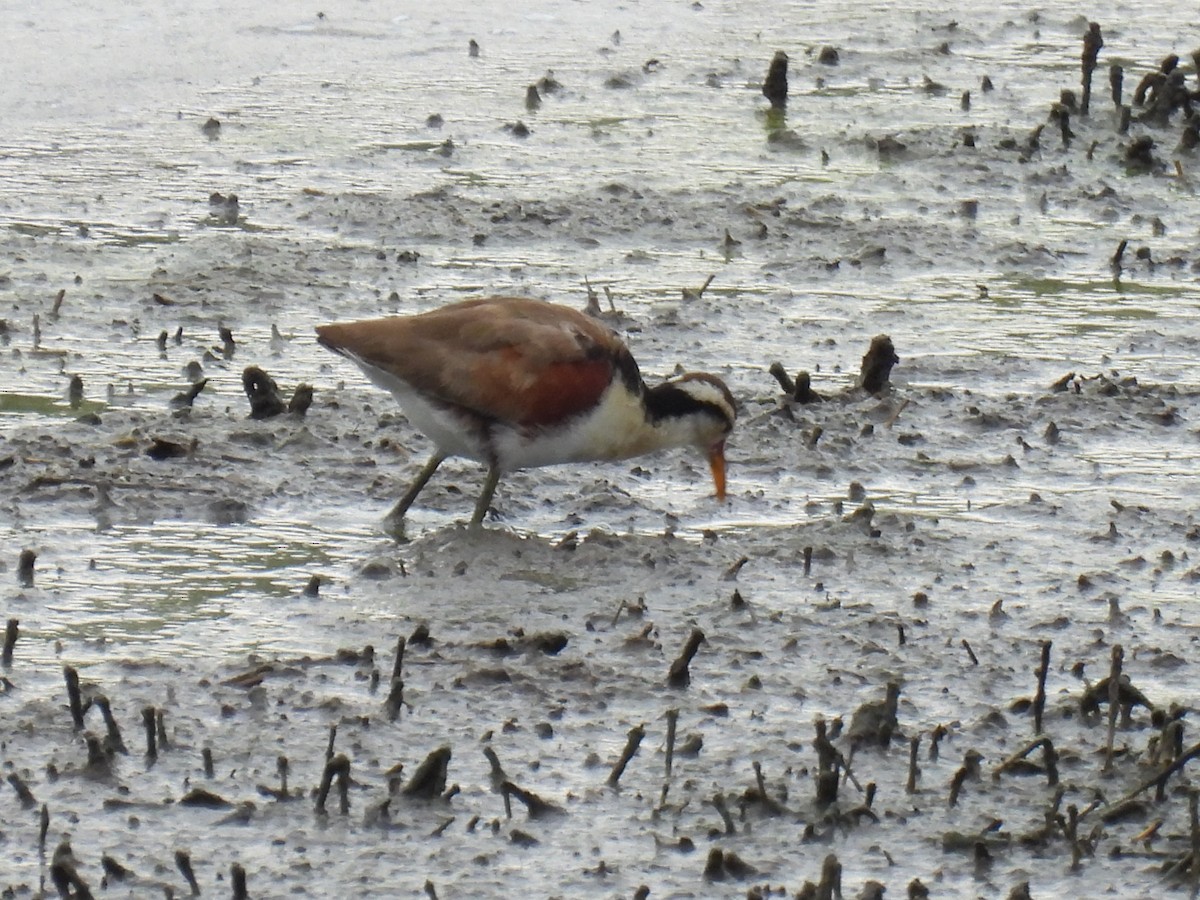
516 383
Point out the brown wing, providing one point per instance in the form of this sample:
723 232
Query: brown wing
512 359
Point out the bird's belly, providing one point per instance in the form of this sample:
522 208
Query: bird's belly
454 431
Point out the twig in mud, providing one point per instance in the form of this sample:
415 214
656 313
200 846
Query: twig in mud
1126 118
829 766
1114 695
731 573
1092 42
678 675
969 769
1061 113
113 740
1128 696
593 299
339 768
970 653
395 698
183 862
43 827
804 392
617 614
97 759
151 733
206 758
160 727
808 555
1159 780
1115 262
75 392
188 397
429 781
25 568
775 88
343 787
773 806
74 700
722 808
302 398
1194 822
64 875
714 865
28 801
58 302
635 609
830 885
875 721
877 364
535 806
672 722
935 738
329 746
779 373
11 632
1039 699
632 742
237 875
1064 383
1071 830
263 393
497 775
690 295
1049 756
113 870
891 420
914 769
1116 77
863 810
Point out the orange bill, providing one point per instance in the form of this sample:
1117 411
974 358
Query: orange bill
716 461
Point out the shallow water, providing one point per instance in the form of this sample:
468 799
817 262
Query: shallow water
159 578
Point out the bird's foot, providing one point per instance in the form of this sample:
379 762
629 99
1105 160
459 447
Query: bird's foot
395 527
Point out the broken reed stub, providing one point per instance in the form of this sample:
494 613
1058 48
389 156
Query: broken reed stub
632 743
429 781
679 675
339 768
150 727
11 632
74 699
263 393
775 88
25 567
877 364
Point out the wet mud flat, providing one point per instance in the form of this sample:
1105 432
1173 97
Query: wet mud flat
942 637
699 711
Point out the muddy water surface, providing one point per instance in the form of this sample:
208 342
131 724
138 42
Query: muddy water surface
1024 514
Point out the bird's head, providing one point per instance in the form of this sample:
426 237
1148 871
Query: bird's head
701 405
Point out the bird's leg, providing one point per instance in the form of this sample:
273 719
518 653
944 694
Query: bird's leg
485 499
396 516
